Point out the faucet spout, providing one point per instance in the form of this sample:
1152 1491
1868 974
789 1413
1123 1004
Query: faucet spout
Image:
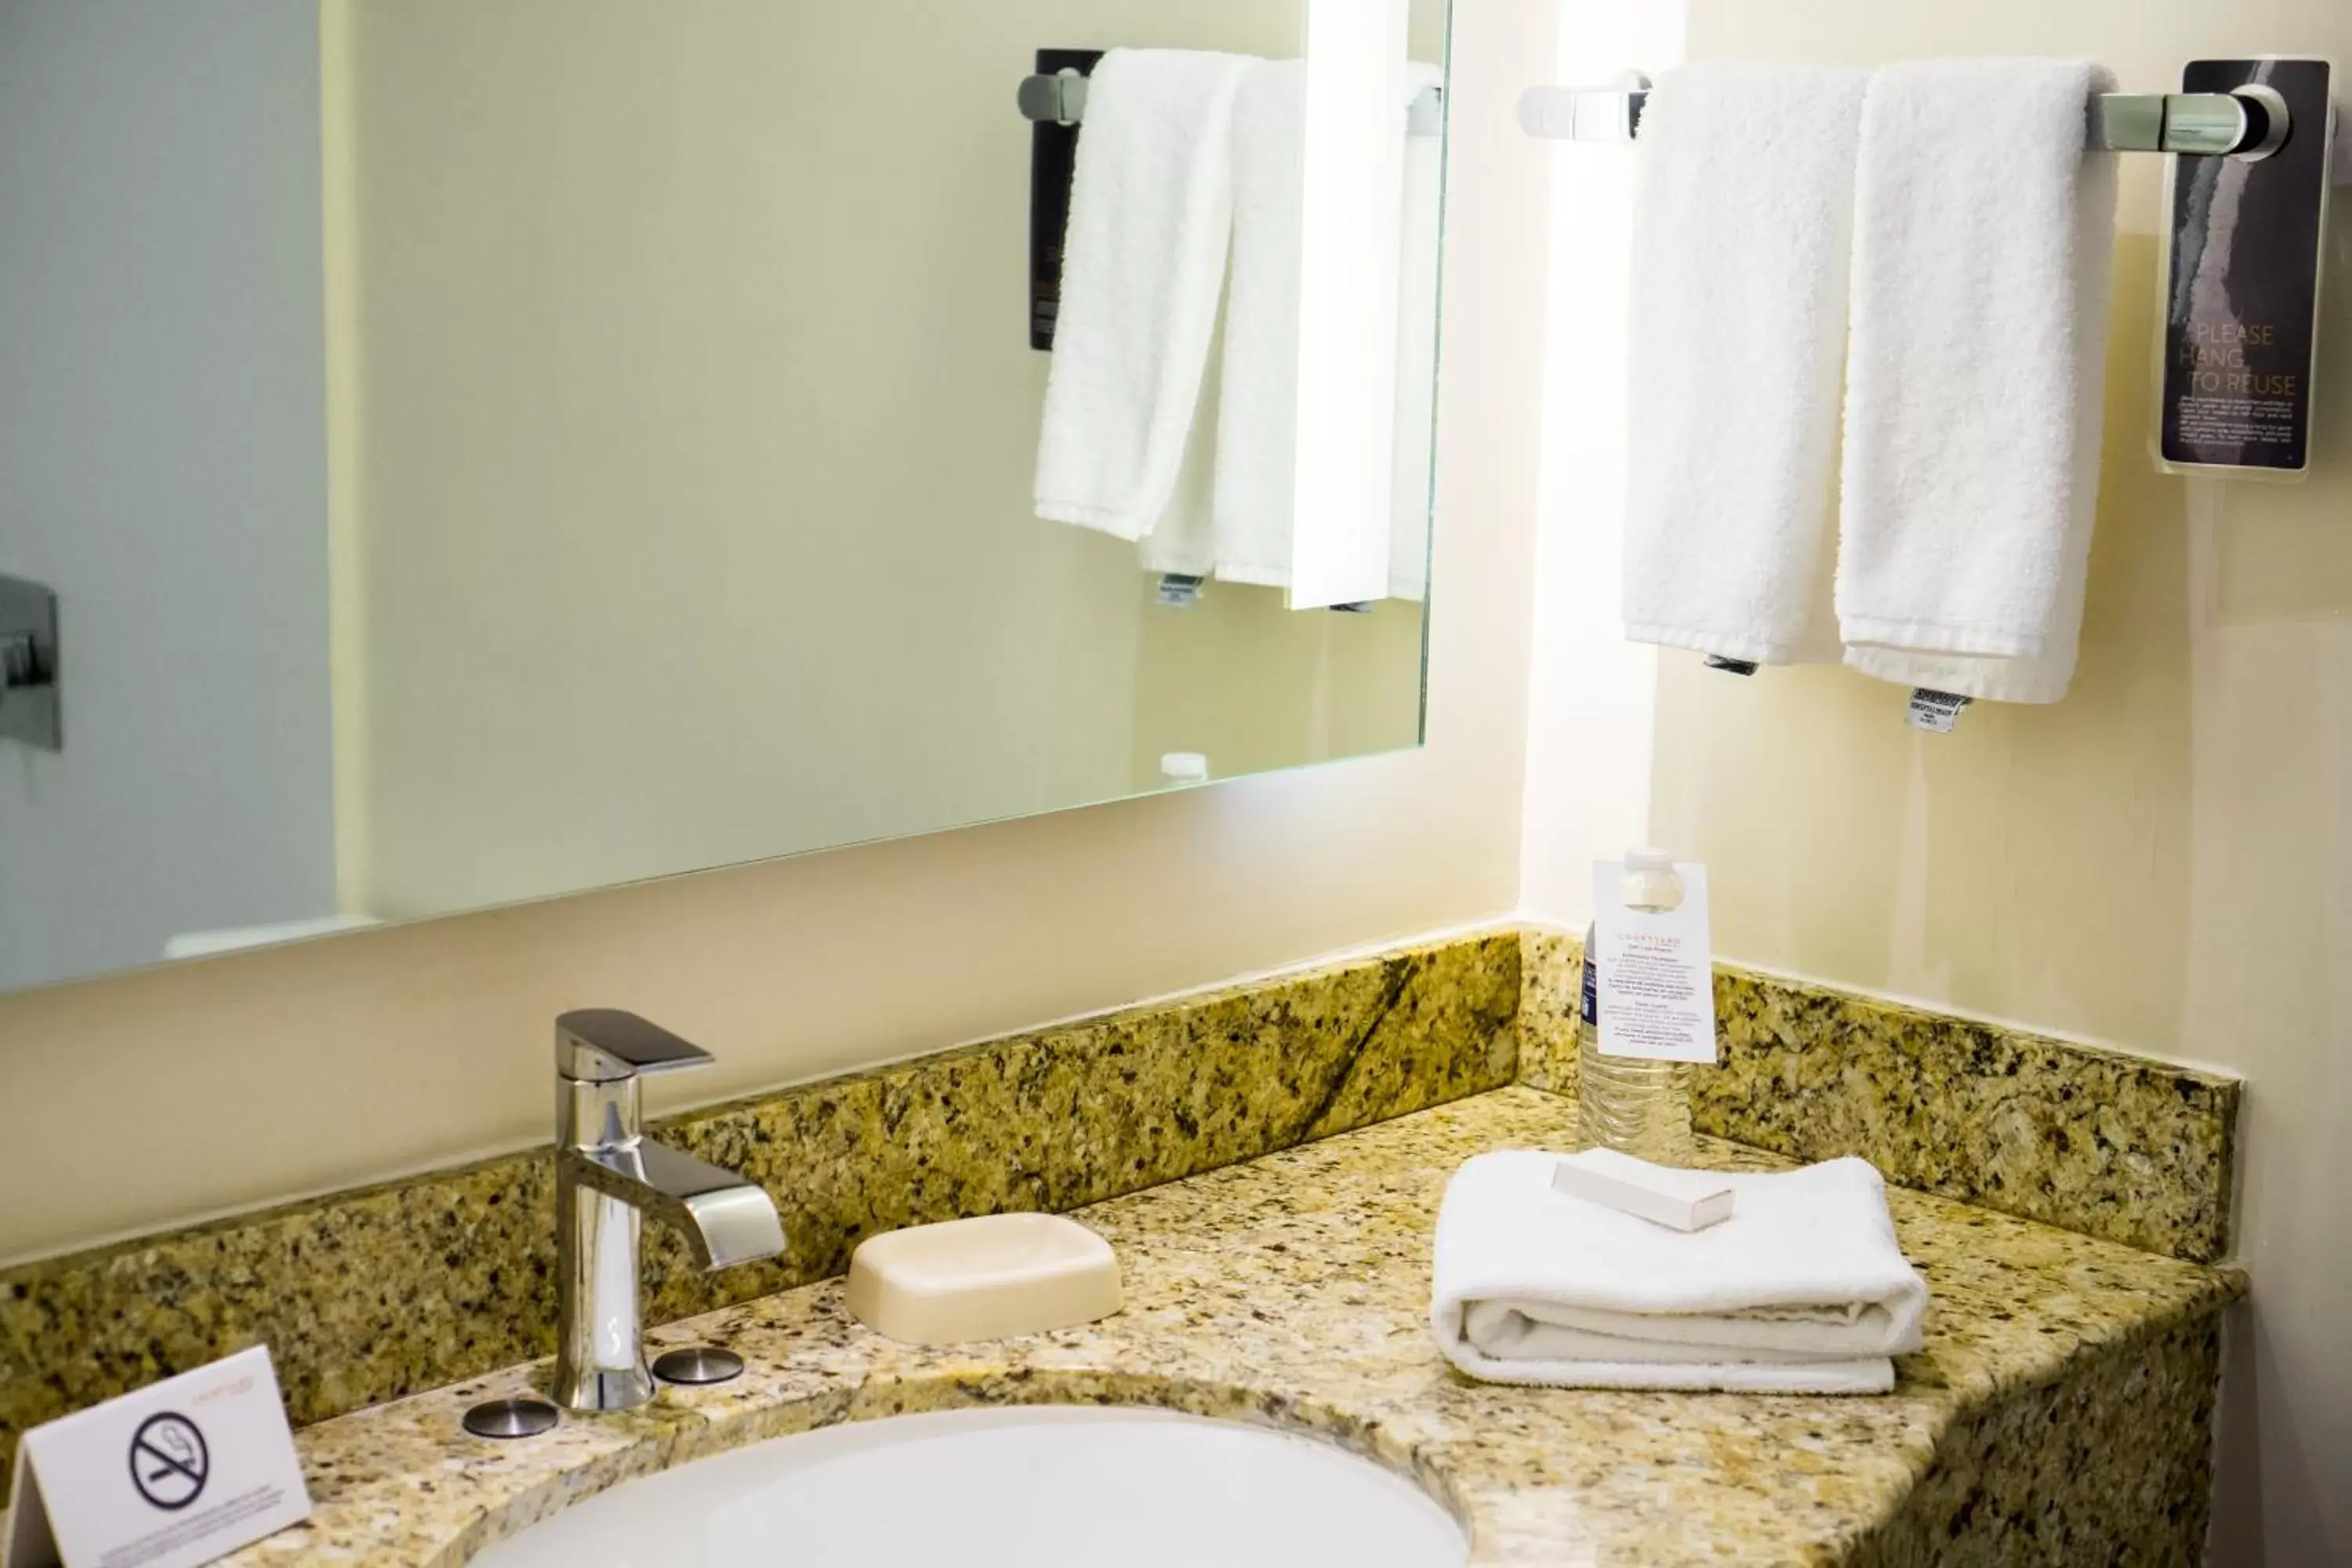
608 1177
723 1217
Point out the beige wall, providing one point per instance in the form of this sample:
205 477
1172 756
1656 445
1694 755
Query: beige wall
156 1097
685 420
2164 860
1317 685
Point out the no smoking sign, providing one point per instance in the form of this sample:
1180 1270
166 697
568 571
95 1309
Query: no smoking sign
169 1461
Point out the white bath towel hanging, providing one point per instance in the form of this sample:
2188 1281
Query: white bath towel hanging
1143 267
1984 239
1412 497
1804 1289
1741 232
1257 431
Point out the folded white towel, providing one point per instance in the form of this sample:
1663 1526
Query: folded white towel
1741 249
1804 1289
1143 265
1984 235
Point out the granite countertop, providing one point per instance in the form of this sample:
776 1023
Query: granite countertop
1293 1289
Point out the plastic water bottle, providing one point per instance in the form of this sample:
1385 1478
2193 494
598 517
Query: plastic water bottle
1630 1104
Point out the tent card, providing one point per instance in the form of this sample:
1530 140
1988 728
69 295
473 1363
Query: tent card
1656 972
171 1477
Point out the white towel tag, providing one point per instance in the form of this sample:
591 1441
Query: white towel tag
1937 711
1179 592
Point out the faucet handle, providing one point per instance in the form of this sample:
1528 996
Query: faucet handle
603 1044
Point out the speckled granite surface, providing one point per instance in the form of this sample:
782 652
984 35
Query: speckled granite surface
368 1295
2064 1379
1551 982
2111 1145
2037 1478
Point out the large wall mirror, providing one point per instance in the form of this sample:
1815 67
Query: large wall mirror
457 452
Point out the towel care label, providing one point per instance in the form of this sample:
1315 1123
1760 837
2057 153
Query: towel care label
1937 712
1656 993
2242 315
174 1475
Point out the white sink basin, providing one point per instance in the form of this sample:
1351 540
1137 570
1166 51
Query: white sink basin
1035 1488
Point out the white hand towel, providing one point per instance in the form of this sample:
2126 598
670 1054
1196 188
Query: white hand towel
1741 249
1803 1290
1143 265
1984 235
1257 430
1413 494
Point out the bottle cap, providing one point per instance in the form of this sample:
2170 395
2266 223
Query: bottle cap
1652 859
1184 767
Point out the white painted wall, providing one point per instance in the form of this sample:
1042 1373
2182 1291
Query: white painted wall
1589 691
2162 861
162 469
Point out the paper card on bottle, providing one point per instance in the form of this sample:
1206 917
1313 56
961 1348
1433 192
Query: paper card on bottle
172 1475
1656 997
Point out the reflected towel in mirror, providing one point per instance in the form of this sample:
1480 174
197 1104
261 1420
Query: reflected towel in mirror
1150 227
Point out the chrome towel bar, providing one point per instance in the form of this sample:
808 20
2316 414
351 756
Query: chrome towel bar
1061 99
2252 122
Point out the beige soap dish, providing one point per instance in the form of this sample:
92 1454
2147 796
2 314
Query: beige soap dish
985 1278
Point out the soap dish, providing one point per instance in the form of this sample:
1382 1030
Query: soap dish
984 1278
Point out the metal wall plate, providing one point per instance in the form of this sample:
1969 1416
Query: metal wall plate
31 708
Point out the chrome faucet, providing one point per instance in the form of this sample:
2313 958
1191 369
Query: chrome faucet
607 1177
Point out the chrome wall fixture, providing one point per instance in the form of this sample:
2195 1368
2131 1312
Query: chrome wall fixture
31 711
1060 99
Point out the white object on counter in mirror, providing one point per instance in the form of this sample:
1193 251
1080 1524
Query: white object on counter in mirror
1183 769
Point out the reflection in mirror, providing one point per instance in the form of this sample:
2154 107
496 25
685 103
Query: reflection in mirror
487 450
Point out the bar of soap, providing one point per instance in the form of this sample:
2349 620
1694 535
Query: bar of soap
1679 1200
984 1278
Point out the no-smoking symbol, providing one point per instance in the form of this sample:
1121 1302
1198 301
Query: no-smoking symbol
169 1461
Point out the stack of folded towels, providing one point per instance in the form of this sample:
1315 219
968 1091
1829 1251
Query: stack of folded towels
1804 1289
